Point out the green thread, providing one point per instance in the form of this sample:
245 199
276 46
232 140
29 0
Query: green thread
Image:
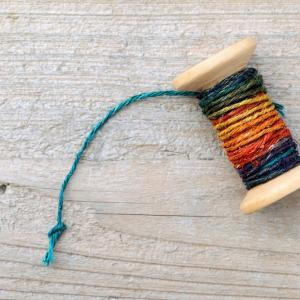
248 89
280 108
55 233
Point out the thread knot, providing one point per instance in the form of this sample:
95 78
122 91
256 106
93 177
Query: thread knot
57 230
53 235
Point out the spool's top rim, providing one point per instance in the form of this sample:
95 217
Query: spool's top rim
219 66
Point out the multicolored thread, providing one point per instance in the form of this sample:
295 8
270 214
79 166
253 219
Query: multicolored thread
248 123
250 127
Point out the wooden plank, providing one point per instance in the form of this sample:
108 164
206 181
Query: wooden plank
153 212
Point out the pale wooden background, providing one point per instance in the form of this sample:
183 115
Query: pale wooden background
153 211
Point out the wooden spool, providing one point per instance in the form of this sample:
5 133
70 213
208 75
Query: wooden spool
211 71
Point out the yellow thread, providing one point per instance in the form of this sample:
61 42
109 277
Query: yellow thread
247 123
244 114
255 99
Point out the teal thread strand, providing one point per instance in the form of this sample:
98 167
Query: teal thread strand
55 233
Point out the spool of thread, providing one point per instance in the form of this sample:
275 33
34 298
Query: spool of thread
248 124
252 132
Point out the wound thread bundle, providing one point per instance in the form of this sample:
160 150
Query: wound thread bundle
250 128
248 124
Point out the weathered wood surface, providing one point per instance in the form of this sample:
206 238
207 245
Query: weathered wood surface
153 211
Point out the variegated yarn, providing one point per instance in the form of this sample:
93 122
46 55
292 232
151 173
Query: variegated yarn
252 132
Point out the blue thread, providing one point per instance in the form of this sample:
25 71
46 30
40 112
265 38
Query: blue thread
55 233
280 108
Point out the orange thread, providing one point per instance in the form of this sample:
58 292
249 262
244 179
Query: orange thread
254 133
258 148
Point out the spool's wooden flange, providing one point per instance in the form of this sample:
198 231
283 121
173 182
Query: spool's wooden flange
211 71
267 193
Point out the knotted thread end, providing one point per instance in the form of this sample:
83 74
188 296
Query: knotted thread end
53 235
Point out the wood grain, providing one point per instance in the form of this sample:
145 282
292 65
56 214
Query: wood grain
153 211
